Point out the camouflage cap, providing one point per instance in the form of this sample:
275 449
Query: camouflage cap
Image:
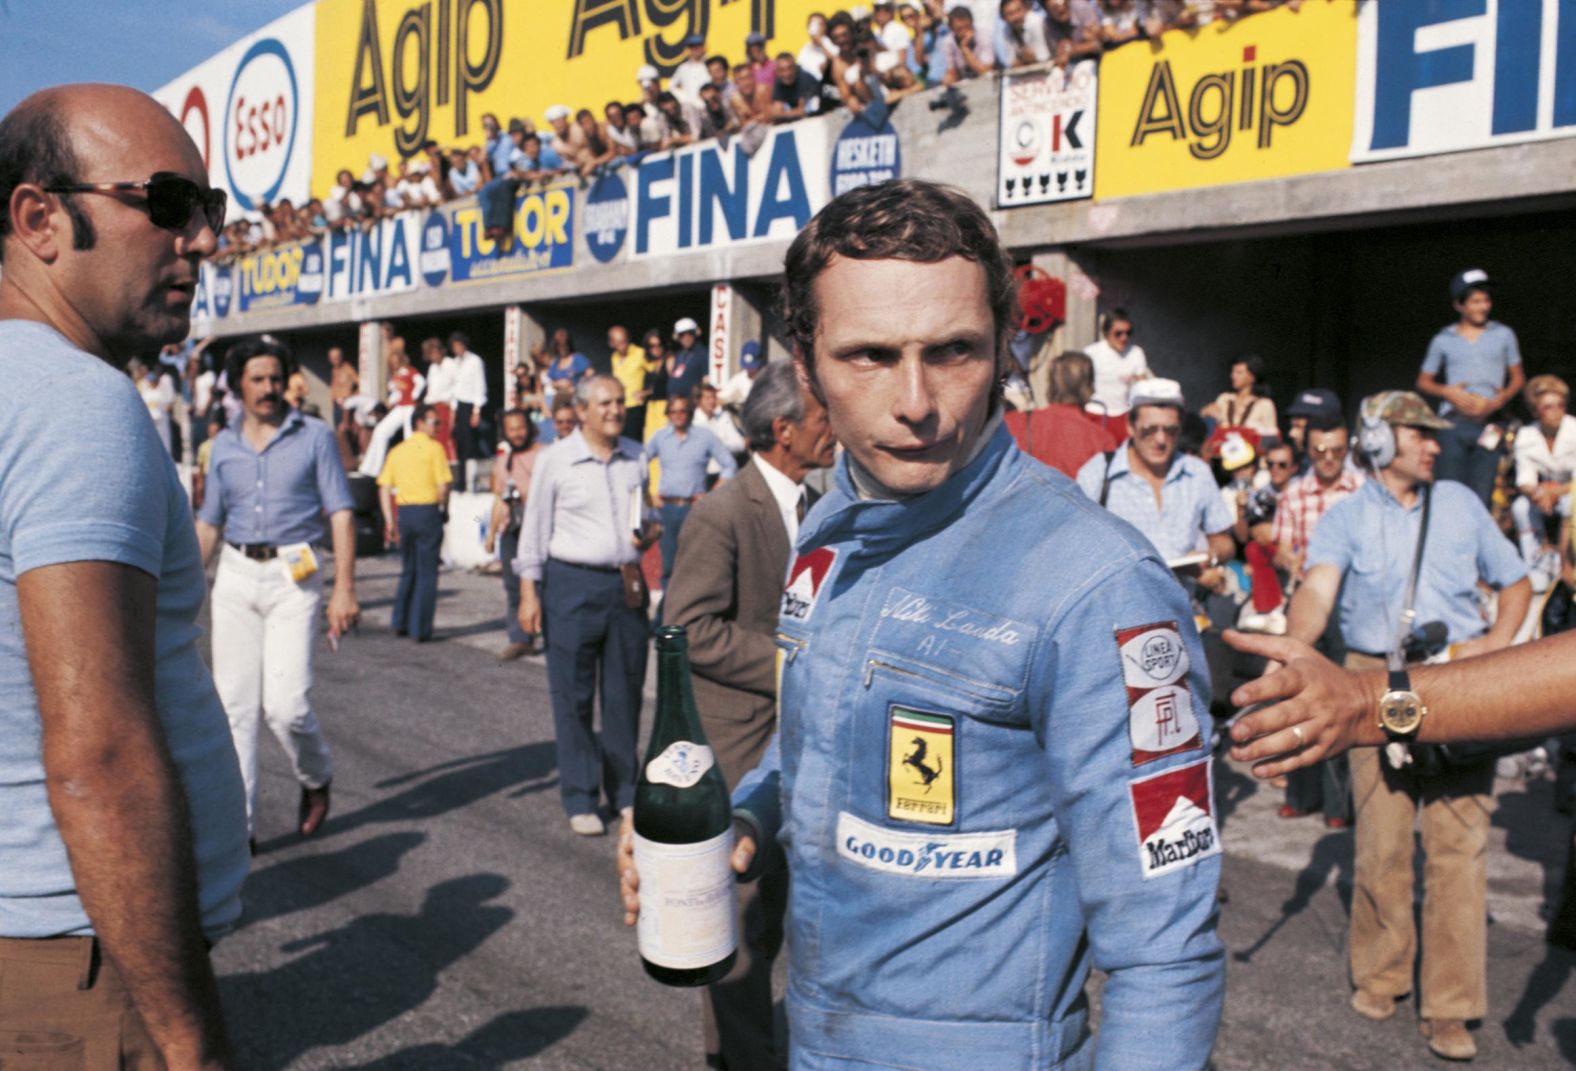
1403 408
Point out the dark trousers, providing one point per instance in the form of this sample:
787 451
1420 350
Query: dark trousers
591 633
508 543
1463 460
497 201
635 422
1327 785
420 544
738 1012
467 440
673 518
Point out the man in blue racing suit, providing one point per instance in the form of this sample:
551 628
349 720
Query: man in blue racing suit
992 768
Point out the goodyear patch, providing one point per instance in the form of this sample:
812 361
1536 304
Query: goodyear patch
927 855
1174 814
805 581
921 771
1160 718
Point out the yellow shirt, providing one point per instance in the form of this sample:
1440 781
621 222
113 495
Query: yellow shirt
631 370
417 469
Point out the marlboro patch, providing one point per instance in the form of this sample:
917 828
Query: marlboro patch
920 767
805 581
1175 818
1160 718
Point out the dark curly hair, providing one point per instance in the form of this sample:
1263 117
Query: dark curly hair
905 219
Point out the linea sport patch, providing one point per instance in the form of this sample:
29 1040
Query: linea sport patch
1174 814
921 775
927 855
804 582
1160 718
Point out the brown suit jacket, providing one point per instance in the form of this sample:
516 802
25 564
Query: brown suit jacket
726 589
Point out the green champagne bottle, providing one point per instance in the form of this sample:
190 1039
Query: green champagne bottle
683 836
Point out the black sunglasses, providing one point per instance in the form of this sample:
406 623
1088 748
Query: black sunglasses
172 199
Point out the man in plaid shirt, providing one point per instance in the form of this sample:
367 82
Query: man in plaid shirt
1307 497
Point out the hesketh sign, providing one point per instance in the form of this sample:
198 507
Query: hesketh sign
1256 98
249 109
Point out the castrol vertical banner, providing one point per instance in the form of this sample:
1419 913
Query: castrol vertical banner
513 332
721 326
249 110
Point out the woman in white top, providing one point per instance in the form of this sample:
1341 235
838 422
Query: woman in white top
1246 404
1545 462
1118 363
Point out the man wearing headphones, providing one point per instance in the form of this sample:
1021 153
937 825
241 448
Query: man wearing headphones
1402 556
272 478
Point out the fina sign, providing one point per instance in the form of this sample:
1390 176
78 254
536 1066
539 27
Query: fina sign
1468 74
374 262
249 109
710 197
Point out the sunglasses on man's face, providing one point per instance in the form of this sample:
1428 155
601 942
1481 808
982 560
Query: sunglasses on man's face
172 199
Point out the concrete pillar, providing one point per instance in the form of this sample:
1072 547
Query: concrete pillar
522 333
1080 328
370 364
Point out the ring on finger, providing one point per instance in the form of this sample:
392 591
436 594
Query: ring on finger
1296 730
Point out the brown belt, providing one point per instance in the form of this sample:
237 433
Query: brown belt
258 552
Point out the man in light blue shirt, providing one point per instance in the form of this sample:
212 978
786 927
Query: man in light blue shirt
1474 368
122 817
683 452
1173 499
271 481
1361 558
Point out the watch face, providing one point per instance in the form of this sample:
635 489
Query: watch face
1401 712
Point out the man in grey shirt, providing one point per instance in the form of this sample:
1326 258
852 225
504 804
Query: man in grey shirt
122 818
1473 367
584 530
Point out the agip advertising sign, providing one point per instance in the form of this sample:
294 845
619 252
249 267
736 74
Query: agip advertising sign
393 73
1254 98
1463 74
249 109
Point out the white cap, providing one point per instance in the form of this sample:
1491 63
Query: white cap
368 177
686 324
647 73
557 112
376 162
417 167
1156 392
859 13
886 61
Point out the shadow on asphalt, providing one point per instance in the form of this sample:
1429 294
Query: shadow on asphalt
368 972
1332 854
1532 831
446 787
514 1036
1544 984
1232 788
388 600
304 882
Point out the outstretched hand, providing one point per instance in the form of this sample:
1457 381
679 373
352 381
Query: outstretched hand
1313 708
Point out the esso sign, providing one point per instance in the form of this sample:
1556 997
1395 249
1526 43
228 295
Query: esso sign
261 117
194 117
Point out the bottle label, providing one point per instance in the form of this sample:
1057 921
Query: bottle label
686 902
681 764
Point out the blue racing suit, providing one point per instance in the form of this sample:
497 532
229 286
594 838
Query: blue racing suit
991 771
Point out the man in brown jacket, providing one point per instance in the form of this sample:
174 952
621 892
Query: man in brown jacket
727 585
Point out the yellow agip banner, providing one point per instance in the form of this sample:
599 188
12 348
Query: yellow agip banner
1265 96
393 73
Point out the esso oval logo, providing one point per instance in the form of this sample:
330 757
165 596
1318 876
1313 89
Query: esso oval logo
261 117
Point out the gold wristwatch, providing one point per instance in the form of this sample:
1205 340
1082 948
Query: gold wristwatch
1401 710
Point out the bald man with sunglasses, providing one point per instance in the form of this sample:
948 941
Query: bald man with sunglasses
122 815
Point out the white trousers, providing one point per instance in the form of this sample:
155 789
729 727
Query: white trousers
397 419
264 629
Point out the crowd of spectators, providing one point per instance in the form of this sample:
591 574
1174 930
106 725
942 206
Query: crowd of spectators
863 59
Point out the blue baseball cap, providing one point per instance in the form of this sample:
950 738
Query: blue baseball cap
750 356
694 39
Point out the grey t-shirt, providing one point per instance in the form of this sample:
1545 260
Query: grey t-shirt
1481 367
87 479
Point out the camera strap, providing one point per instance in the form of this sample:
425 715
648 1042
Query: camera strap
1409 611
